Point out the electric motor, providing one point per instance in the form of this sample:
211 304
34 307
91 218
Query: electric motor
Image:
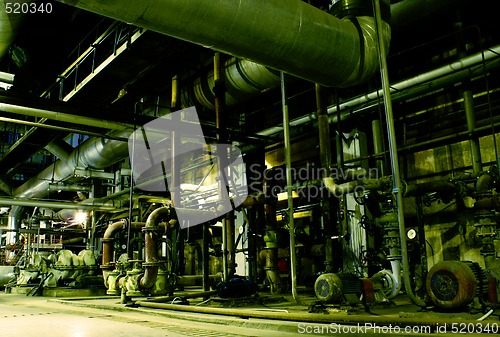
455 284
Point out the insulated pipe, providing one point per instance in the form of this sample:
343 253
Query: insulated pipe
152 260
59 148
305 41
393 150
9 25
95 153
5 187
484 182
242 78
409 13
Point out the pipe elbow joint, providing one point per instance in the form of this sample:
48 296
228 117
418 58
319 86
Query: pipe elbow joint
368 61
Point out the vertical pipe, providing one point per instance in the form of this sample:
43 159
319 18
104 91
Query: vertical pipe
325 153
471 126
174 186
378 146
175 168
205 258
130 195
230 243
252 249
288 163
151 257
393 149
219 103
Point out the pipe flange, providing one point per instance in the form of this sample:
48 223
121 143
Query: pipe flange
150 229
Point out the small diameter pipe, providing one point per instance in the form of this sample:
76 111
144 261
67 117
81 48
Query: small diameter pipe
288 160
470 115
325 153
393 149
308 317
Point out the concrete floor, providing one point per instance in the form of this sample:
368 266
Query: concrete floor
22 315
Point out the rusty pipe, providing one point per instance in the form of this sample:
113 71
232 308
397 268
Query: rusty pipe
108 245
152 260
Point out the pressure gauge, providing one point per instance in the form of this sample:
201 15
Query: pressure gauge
411 234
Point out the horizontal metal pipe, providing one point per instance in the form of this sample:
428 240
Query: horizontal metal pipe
56 187
201 294
59 148
450 73
308 317
95 153
65 117
57 128
287 35
54 204
197 280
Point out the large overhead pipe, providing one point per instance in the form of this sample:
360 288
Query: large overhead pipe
243 79
10 21
95 153
287 35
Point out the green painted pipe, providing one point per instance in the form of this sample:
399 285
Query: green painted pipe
287 35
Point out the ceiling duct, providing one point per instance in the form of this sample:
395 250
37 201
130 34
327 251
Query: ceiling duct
96 153
10 21
243 79
287 35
